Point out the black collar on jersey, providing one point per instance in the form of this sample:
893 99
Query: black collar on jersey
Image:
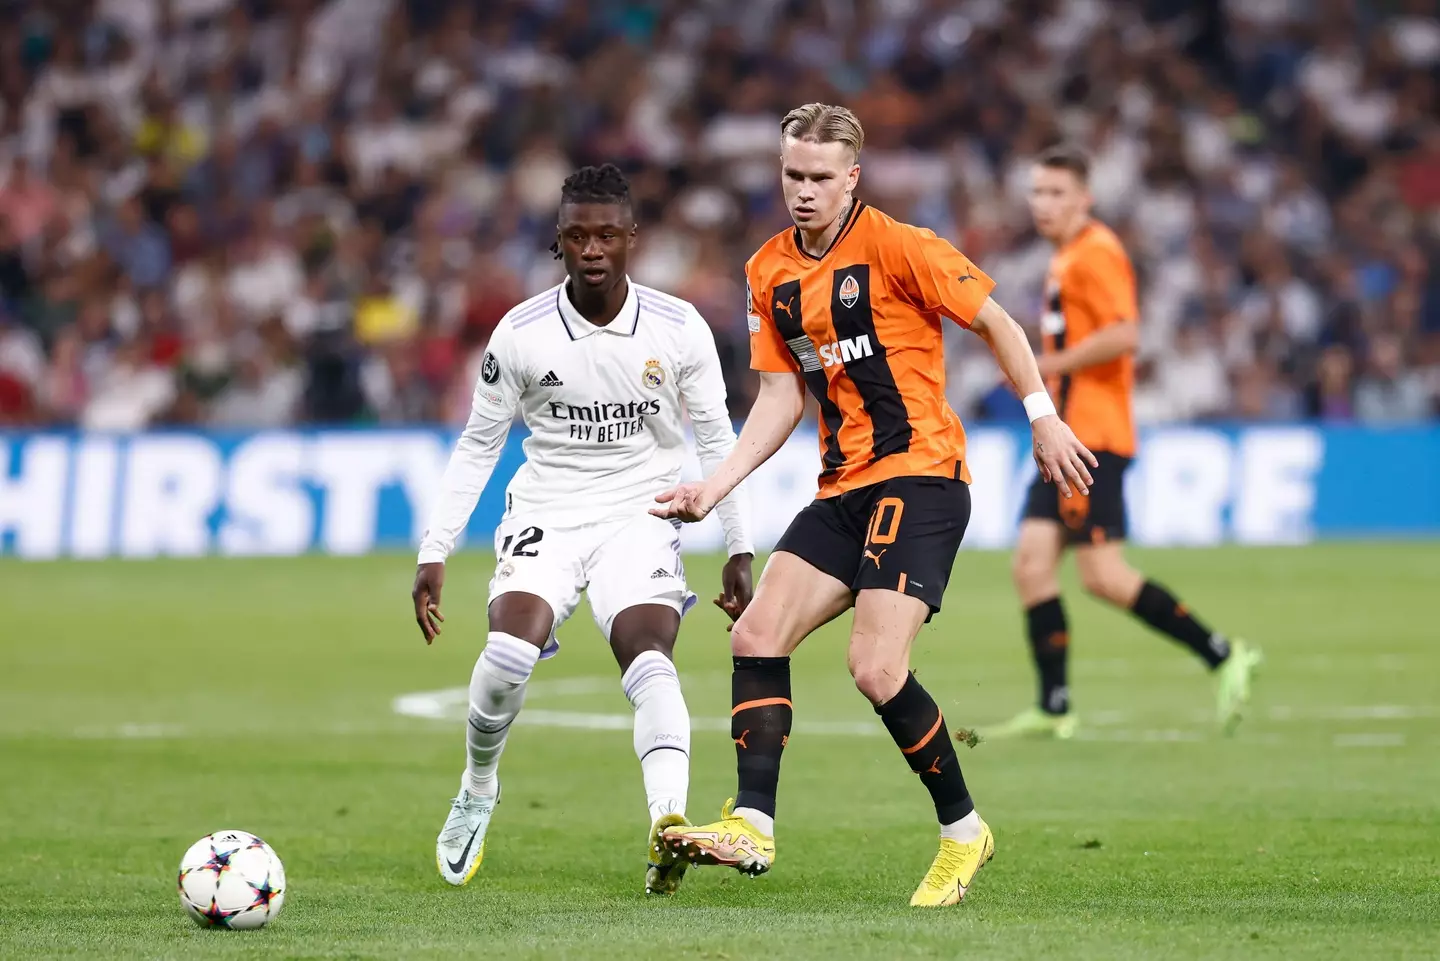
849 224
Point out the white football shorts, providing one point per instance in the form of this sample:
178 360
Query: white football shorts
619 564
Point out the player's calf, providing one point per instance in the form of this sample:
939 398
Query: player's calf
1160 609
914 721
760 727
1106 576
642 637
497 692
1034 566
662 732
916 724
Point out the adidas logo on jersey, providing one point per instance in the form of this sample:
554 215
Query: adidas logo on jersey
550 380
660 574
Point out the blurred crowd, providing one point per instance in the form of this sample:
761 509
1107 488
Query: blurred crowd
244 213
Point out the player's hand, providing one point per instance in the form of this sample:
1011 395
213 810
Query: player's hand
429 578
1049 365
737 587
689 502
1061 457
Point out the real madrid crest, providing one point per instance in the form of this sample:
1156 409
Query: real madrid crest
849 290
654 375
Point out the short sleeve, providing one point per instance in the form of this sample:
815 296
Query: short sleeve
768 352
502 376
934 276
1108 282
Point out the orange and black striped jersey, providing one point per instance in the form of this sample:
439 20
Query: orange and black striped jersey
861 325
1091 285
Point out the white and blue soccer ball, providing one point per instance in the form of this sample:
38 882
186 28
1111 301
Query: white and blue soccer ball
232 879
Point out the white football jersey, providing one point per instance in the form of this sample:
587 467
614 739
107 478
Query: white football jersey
604 409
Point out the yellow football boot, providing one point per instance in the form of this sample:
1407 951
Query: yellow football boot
664 870
953 870
731 841
1033 723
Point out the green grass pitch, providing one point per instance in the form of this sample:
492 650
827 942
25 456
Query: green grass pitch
145 704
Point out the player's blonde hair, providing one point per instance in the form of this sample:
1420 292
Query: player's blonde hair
824 123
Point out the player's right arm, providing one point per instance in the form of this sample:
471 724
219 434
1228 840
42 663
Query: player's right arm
778 407
492 408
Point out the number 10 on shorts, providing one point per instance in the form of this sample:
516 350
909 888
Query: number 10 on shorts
885 521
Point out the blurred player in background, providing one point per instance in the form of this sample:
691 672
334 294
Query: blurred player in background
850 304
1091 329
599 368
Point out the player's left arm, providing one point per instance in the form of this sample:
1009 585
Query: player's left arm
1058 453
702 388
492 407
1107 281
937 278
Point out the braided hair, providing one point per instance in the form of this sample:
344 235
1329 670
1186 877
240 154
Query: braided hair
605 184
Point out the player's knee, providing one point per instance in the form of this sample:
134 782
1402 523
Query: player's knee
630 646
877 678
755 636
1105 582
645 627
525 616
1031 569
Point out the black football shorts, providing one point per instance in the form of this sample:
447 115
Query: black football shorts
1088 519
899 535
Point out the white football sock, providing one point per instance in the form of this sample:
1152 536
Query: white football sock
965 830
497 690
662 732
759 820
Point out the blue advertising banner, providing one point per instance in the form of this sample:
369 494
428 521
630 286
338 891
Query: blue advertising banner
352 491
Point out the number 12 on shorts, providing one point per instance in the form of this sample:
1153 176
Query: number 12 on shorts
529 537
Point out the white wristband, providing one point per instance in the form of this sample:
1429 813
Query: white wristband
1038 405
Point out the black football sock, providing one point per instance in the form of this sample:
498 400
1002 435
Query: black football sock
1158 607
913 719
1050 646
760 727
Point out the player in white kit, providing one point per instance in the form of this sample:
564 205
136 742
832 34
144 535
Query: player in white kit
599 368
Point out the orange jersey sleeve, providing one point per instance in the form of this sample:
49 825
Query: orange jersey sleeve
934 276
768 352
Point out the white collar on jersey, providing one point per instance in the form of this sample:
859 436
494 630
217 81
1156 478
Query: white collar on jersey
577 326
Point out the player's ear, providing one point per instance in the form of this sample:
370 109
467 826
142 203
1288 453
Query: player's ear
630 238
854 178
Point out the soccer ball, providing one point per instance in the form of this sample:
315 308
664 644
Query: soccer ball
231 879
